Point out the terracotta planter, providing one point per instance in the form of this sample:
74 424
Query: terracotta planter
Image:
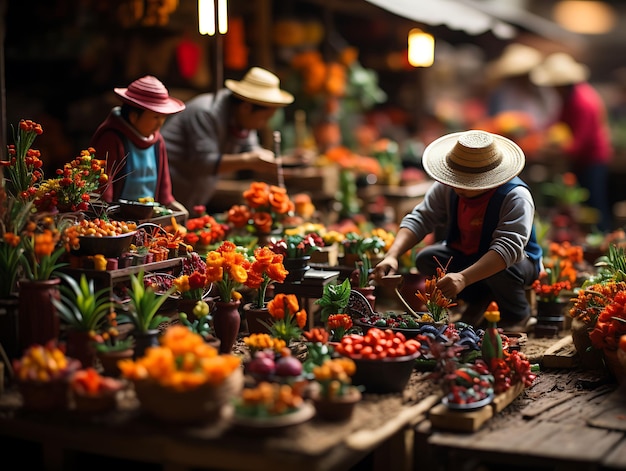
41 396
38 318
338 408
109 361
253 317
78 344
226 321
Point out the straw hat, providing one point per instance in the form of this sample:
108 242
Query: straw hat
149 93
559 69
260 87
473 160
517 59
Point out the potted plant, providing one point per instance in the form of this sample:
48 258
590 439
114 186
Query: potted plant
111 346
267 267
296 250
200 322
288 319
142 312
334 300
332 391
83 310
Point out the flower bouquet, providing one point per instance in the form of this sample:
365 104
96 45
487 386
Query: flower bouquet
227 268
184 380
288 319
266 208
267 267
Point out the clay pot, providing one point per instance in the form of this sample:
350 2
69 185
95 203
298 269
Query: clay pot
338 408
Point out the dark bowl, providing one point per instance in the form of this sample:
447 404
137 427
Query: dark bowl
135 210
109 246
387 375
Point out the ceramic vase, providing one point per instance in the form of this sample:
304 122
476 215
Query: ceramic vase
253 316
226 321
297 268
38 318
552 313
144 340
79 345
109 361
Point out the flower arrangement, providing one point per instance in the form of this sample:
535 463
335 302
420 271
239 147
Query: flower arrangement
559 272
610 324
193 282
228 268
266 268
288 319
262 341
204 230
266 207
297 245
23 168
436 303
339 325
88 382
183 361
269 400
334 377
70 190
44 363
43 246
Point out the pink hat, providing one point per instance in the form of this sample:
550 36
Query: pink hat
148 92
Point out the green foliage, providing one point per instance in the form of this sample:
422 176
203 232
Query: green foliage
610 267
81 306
334 300
144 304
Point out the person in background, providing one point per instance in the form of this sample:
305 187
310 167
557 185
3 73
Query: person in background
217 134
514 90
589 151
130 141
490 251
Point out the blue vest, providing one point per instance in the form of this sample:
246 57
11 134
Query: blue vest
490 222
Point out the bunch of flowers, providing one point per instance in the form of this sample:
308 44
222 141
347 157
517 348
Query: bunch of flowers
611 324
183 361
297 245
23 168
339 325
288 319
71 189
436 303
265 209
267 267
262 341
334 377
559 272
228 268
204 230
193 282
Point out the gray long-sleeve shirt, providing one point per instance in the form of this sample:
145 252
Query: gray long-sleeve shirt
196 138
512 232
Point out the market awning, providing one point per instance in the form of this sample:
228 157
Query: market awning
475 17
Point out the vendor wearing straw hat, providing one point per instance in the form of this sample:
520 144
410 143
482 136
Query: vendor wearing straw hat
130 141
487 211
217 134
590 151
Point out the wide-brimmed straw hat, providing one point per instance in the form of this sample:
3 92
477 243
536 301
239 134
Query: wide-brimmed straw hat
516 59
149 93
473 160
260 87
559 69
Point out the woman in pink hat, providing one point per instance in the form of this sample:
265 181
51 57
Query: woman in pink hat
131 142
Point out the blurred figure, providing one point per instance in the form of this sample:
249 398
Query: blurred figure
589 151
515 91
130 141
217 134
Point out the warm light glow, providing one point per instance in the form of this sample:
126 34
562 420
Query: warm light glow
206 17
585 17
421 48
222 16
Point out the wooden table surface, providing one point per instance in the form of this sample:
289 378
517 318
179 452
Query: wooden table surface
568 419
